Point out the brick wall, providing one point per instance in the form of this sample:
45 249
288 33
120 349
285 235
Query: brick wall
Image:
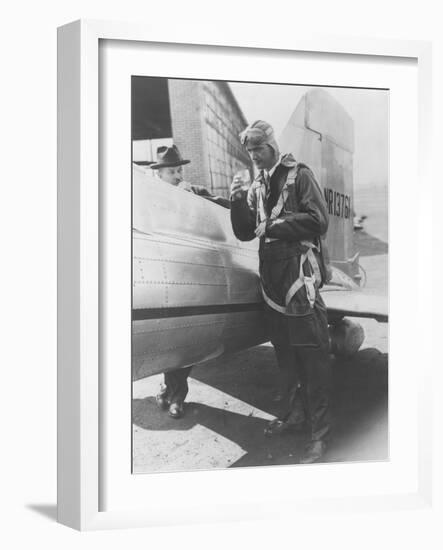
224 121
187 107
205 126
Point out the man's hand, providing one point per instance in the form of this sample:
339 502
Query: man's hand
185 185
260 231
237 188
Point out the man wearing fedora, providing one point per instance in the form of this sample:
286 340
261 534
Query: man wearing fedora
169 168
284 207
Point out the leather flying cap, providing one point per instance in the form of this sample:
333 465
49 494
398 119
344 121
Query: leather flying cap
168 157
258 133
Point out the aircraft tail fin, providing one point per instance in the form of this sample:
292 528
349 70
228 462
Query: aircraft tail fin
321 134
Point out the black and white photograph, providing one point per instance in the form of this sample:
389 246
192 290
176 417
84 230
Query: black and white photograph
259 274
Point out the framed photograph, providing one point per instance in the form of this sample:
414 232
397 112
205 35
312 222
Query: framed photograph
190 176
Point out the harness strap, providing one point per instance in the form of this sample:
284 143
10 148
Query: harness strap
261 205
316 274
271 303
313 261
303 280
306 280
296 285
310 289
290 180
275 212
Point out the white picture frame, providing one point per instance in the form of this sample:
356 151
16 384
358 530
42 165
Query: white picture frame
79 292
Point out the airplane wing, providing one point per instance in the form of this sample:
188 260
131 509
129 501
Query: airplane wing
342 302
344 298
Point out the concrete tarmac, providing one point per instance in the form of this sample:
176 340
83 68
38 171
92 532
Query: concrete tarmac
231 400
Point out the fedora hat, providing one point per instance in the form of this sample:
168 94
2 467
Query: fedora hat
168 157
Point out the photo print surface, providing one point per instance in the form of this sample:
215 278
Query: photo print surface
259 274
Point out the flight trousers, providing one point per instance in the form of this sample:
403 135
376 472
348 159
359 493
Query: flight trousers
303 357
175 387
305 378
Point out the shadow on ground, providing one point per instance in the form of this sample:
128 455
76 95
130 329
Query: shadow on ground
245 431
359 408
48 511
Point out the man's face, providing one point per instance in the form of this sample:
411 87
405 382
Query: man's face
263 156
172 174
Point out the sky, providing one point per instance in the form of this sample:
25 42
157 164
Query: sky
369 110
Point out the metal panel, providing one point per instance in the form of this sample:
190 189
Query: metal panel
186 261
327 117
321 134
160 345
338 187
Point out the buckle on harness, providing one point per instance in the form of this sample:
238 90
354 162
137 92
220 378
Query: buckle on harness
310 289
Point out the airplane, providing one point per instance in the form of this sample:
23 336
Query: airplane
196 288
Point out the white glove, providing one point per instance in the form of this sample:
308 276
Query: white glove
185 185
237 188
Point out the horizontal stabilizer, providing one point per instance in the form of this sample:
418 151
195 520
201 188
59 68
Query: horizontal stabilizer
351 303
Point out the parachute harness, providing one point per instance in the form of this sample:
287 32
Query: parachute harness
308 281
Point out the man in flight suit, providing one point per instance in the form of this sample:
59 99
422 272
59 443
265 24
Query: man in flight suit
284 207
169 167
